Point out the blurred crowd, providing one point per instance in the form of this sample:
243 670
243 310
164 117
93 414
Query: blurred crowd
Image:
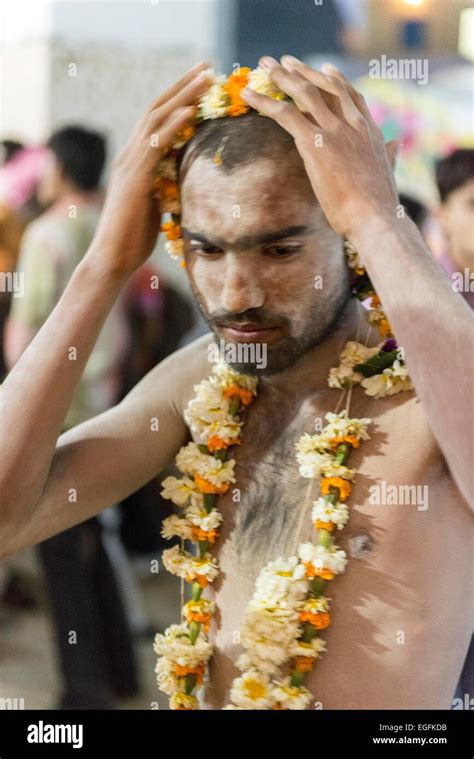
50 203
51 198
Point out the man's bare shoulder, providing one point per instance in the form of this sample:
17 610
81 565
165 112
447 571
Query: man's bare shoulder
177 374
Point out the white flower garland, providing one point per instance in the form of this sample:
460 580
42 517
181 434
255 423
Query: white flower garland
288 607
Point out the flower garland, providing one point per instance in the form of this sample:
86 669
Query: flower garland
214 418
289 607
380 370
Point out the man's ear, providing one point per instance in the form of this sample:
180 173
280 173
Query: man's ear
392 150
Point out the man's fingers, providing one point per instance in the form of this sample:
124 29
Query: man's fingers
329 84
357 98
303 92
281 111
188 95
177 86
173 124
392 150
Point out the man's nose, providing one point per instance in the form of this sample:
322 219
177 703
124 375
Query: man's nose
242 287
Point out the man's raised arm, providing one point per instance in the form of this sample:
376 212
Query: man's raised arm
349 168
36 394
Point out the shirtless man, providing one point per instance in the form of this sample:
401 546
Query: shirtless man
403 609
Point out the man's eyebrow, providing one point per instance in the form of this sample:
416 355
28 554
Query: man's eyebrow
248 241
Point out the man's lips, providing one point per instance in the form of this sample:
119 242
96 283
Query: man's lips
251 332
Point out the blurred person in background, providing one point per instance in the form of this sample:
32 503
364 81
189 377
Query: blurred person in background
87 604
455 180
416 211
20 168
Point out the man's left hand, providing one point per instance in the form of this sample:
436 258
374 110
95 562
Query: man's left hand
346 160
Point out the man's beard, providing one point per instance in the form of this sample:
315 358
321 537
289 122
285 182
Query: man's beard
289 348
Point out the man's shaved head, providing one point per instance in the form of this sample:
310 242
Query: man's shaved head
243 140
263 263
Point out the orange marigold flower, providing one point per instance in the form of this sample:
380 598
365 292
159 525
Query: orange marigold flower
167 189
344 486
350 439
238 107
204 486
182 671
203 619
304 663
216 443
375 301
172 230
235 391
199 534
233 87
329 526
384 328
200 579
311 571
320 621
185 134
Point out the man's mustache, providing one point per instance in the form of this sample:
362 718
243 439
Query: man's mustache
259 316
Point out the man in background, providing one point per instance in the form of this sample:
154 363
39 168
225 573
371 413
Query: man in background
455 180
92 631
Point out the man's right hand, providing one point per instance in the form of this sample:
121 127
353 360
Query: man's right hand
130 221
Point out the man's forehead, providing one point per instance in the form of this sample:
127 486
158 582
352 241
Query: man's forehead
258 195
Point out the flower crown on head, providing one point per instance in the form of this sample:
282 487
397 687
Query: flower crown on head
222 99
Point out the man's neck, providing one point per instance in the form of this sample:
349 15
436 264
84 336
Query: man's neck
78 198
313 366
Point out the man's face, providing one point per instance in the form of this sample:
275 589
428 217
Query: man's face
263 263
456 216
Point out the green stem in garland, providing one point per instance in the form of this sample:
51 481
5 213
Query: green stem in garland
209 501
194 629
324 537
189 684
297 679
309 632
234 405
317 586
342 452
196 591
203 545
